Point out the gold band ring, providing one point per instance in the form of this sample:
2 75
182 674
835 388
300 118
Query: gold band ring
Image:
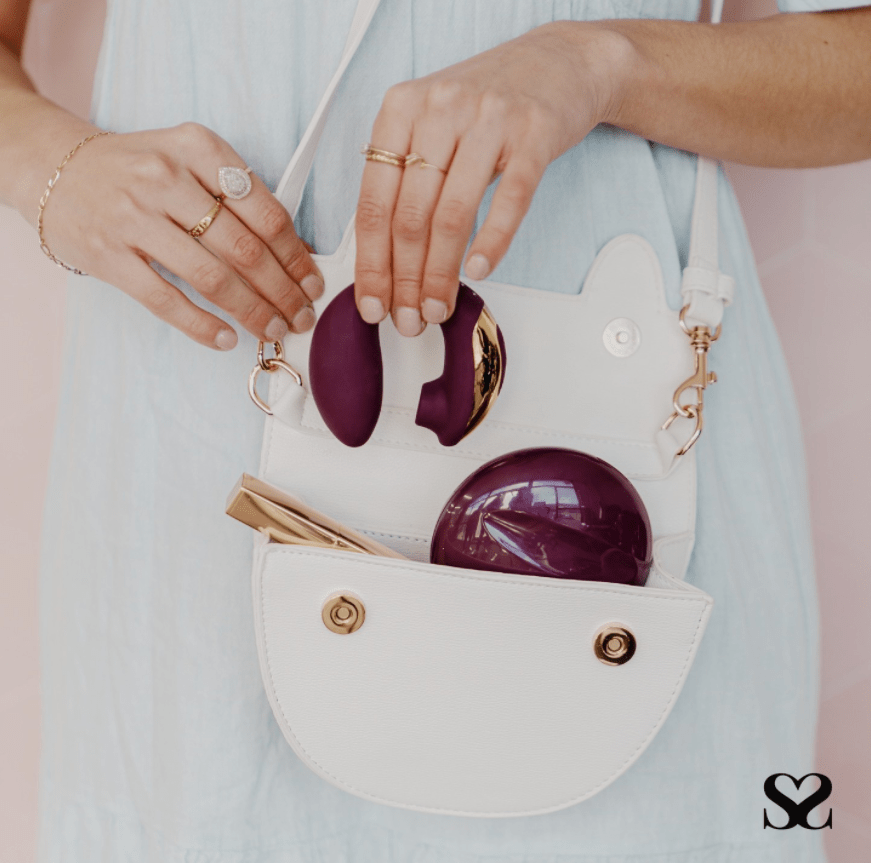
373 154
387 160
417 159
202 226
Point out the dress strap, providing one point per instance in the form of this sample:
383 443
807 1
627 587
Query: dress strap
292 183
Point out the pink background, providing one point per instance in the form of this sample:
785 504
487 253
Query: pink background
811 233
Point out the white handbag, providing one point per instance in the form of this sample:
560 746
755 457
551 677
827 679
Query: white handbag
480 693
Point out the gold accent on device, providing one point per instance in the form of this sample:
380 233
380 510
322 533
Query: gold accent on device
285 519
614 645
343 614
489 368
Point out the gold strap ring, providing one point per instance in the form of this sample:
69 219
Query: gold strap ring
417 159
373 154
270 364
202 226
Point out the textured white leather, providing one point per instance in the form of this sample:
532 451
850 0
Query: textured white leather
716 285
466 692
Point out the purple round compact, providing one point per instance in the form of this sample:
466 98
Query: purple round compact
547 511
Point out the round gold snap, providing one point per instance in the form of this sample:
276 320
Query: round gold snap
614 645
343 614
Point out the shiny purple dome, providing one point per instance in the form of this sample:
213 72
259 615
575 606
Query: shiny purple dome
547 511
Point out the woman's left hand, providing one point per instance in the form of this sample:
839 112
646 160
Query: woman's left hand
511 110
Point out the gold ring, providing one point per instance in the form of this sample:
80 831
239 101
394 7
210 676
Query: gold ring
417 159
202 226
373 154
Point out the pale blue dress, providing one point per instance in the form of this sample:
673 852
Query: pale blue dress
159 743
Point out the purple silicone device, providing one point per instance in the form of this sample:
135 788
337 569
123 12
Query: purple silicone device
346 371
456 402
547 511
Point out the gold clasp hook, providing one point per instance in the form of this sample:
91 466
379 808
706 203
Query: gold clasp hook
701 339
270 364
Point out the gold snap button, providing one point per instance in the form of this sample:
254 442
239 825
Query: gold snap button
614 645
343 614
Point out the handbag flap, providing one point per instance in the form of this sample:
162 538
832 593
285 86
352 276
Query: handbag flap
466 692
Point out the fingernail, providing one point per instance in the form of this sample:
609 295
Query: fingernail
304 319
313 286
371 309
277 329
226 340
407 321
434 311
477 267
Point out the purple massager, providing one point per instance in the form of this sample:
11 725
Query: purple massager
547 511
346 371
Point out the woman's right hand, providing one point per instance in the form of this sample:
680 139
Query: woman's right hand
126 200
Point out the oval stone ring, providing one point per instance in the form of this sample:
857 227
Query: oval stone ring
234 182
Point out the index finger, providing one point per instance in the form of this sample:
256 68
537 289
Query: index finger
262 213
379 190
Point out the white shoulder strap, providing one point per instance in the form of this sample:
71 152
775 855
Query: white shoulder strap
705 290
292 184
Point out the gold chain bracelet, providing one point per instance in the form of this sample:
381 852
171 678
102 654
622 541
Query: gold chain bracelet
44 200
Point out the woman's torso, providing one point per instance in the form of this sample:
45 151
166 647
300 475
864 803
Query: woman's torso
157 733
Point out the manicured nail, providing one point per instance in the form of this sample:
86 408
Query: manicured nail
407 321
477 267
313 286
371 309
434 311
304 319
226 340
276 329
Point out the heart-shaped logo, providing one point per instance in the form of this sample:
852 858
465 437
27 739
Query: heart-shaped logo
798 810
